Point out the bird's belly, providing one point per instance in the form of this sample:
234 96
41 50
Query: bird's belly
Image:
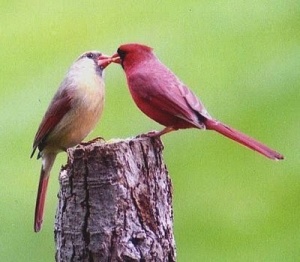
159 115
77 123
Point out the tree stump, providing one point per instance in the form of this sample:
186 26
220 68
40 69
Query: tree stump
115 203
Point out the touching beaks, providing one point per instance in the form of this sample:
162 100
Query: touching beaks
116 58
104 61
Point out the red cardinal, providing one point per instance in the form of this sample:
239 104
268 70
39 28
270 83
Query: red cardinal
161 95
72 114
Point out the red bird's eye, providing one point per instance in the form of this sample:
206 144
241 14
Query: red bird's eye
121 53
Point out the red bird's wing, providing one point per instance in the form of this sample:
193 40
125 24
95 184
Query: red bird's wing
60 105
191 100
167 93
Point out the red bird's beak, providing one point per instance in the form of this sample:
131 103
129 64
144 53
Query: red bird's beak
104 61
116 58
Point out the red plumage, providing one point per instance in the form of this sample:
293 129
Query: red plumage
160 94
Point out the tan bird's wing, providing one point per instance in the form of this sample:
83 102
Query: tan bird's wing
59 106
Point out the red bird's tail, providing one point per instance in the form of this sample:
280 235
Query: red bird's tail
40 201
242 139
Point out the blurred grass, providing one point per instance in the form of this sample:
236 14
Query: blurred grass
241 57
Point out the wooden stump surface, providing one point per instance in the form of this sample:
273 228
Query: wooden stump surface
115 203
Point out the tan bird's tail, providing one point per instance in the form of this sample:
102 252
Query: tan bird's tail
40 201
48 160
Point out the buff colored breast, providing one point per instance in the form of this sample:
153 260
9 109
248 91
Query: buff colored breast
86 109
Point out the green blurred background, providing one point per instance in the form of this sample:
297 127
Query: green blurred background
241 57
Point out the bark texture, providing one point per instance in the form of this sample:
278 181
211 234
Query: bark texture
115 203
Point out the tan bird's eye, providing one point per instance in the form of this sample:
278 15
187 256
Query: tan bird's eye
90 55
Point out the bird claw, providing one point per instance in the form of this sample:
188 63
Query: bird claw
97 139
152 133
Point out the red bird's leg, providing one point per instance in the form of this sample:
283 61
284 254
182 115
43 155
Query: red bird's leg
166 130
158 133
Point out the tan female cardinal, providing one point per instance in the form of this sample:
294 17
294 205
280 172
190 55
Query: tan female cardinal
163 97
72 114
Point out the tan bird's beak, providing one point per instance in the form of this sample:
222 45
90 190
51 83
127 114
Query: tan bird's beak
104 61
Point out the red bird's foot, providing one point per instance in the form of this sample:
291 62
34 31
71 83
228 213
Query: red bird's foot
157 133
153 133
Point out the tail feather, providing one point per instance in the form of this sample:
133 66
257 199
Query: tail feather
40 201
242 139
47 163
